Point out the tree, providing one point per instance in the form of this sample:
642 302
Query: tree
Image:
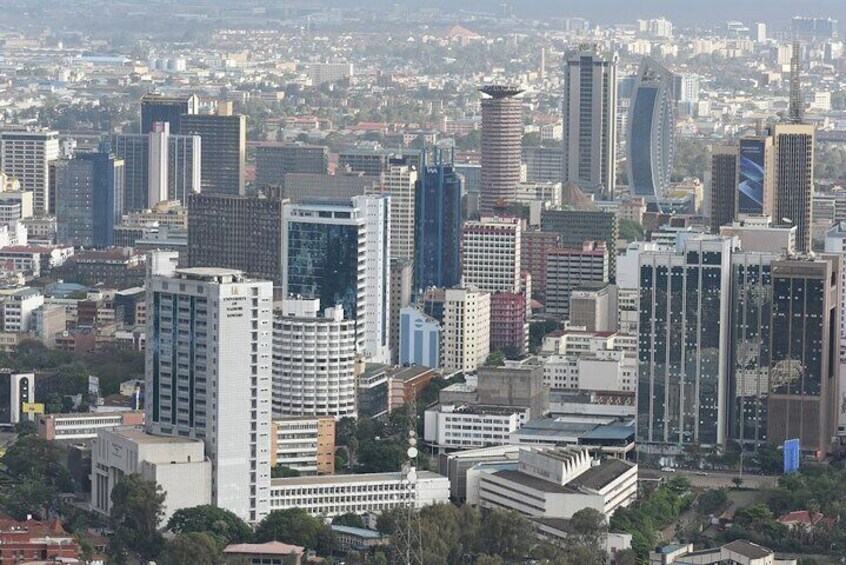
348 519
711 501
29 496
137 509
379 457
588 531
282 472
191 547
626 557
297 527
630 230
737 481
506 533
495 359
208 518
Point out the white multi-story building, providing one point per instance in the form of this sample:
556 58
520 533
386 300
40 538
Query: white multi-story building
467 426
490 254
554 483
328 496
627 311
208 367
466 336
609 371
177 464
313 360
84 425
304 444
18 309
398 180
25 155
577 341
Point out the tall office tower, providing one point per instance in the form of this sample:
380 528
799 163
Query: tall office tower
224 142
794 179
534 247
756 176
570 268
724 185
651 126
236 232
437 223
578 226
683 345
751 338
275 160
208 366
543 164
490 254
169 109
402 280
158 166
502 137
813 28
370 162
835 243
89 199
302 334
25 155
804 400
590 120
398 180
339 254
466 336
796 110
760 32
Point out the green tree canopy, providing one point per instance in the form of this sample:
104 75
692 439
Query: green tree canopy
295 526
137 509
348 519
191 547
211 519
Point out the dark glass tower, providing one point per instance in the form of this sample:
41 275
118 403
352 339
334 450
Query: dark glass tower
438 223
161 108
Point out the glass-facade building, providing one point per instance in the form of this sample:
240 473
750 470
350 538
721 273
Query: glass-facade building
683 332
438 224
651 127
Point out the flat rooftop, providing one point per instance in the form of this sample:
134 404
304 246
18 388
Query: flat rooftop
320 480
141 437
602 475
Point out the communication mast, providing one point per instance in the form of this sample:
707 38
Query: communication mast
408 540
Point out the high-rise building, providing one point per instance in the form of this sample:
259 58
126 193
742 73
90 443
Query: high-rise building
89 198
301 385
590 120
169 109
813 28
804 399
158 166
651 127
275 160
490 254
756 175
224 145
509 323
570 268
369 162
25 156
794 179
576 226
420 339
466 336
339 254
402 278
502 137
534 247
399 180
236 232
543 163
208 366
683 345
724 185
437 224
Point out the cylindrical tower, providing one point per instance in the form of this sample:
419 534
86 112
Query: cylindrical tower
502 135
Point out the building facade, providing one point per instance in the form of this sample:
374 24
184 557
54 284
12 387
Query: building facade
502 136
794 179
490 254
304 444
420 337
466 337
25 155
570 269
224 145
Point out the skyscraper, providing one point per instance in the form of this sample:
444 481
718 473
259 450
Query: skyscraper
437 224
399 180
569 269
224 145
590 120
25 155
339 254
275 160
89 199
502 136
578 226
208 366
466 336
651 126
756 172
724 185
490 254
169 109
682 345
794 179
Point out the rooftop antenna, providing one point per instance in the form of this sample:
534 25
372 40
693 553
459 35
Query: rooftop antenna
408 541
796 113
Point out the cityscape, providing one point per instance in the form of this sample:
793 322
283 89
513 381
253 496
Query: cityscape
289 282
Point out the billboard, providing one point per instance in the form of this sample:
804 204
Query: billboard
791 456
750 197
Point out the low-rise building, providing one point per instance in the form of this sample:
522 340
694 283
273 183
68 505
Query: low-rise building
333 495
419 339
84 425
305 444
448 426
358 539
34 541
268 553
738 552
406 383
602 370
554 483
18 308
176 464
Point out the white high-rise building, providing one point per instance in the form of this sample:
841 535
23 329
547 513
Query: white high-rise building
314 360
466 329
490 254
339 254
399 180
25 155
208 367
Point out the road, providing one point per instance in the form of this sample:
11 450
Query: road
714 479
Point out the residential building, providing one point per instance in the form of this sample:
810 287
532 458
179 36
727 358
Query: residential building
177 464
570 269
223 138
322 73
25 155
328 496
304 444
77 426
208 360
590 120
313 360
502 135
466 329
419 339
490 254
